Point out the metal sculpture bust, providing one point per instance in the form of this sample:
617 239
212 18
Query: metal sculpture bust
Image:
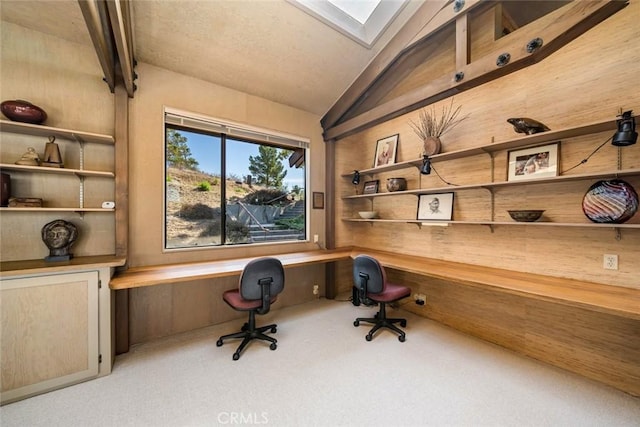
59 236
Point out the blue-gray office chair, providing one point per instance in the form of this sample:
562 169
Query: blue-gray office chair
371 283
261 281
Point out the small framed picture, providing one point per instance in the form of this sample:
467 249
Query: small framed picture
318 200
370 187
533 163
386 150
435 207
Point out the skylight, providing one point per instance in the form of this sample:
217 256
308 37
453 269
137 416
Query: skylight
358 10
361 20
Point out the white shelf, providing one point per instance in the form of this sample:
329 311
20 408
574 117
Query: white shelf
43 209
40 130
492 223
502 184
60 171
519 142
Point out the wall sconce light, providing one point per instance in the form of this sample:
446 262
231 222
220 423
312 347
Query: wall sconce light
626 134
355 180
426 166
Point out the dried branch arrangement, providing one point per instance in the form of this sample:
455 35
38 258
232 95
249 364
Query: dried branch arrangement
429 124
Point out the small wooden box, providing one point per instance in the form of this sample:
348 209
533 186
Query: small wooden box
25 202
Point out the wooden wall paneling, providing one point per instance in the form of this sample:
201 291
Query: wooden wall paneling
386 56
596 345
553 93
162 310
573 20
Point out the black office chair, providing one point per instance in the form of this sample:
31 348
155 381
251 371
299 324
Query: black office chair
261 281
371 282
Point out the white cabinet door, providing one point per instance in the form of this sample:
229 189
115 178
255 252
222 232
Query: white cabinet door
49 335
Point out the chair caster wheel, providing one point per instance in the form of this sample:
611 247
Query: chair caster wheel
219 343
356 323
236 356
273 330
401 338
273 346
368 337
403 323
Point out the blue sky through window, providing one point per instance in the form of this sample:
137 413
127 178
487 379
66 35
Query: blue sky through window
206 150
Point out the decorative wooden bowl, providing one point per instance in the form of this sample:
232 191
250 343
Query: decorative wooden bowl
526 215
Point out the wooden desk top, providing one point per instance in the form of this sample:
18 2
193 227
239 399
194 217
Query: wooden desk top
616 300
174 273
39 266
578 293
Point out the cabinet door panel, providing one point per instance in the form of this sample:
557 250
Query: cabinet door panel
49 332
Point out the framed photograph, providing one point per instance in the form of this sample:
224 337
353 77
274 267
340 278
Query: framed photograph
318 200
435 207
532 163
386 150
370 187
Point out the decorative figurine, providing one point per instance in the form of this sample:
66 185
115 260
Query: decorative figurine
30 158
59 235
52 157
527 125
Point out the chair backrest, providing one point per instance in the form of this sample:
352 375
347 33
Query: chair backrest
262 274
370 269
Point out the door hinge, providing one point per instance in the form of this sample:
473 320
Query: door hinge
99 358
99 284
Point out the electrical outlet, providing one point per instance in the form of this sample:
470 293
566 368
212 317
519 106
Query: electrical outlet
315 238
610 262
316 290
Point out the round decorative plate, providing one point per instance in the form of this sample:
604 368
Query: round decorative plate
611 201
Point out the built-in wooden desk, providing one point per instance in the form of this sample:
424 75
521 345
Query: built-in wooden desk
588 328
615 300
184 272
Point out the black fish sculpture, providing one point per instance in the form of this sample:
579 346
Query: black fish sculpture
527 125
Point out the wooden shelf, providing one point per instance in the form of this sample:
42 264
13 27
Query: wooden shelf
519 142
56 210
39 130
60 171
502 184
491 223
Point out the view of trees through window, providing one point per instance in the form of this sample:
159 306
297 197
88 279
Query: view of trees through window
225 191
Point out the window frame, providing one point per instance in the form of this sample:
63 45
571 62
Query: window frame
235 131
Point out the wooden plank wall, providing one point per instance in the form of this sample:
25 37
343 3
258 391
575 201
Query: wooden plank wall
588 80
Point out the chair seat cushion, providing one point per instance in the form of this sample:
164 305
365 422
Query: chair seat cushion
234 299
391 293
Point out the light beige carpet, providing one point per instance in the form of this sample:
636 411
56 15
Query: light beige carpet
324 373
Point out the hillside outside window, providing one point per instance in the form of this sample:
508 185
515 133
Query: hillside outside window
229 184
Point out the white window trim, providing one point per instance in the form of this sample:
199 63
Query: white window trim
365 34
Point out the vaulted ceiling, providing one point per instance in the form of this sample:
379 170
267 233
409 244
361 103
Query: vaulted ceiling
266 48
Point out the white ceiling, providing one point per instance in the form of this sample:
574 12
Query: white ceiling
267 48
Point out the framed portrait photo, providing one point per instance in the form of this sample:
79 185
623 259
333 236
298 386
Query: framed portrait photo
533 163
386 150
370 187
438 207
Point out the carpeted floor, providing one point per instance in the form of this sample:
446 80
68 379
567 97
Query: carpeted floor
324 373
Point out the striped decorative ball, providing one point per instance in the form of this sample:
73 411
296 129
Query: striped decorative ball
612 201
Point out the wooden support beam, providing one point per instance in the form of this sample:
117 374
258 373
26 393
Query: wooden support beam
576 18
120 19
95 17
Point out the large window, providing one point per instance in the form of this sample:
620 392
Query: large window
230 184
